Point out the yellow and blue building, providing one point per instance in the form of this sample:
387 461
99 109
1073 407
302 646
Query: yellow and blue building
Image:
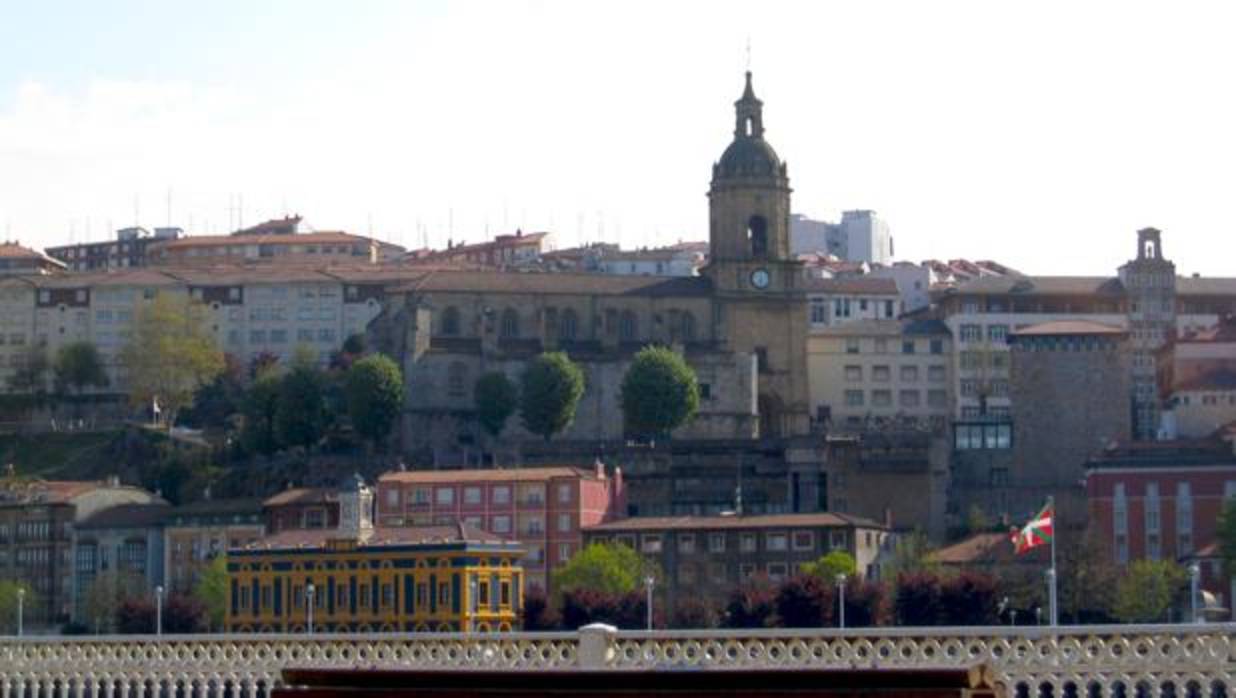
359 578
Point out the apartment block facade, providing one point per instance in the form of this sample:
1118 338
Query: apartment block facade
545 509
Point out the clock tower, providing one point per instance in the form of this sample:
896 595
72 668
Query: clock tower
758 285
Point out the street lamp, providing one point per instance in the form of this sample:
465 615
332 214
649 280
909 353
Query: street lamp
1051 596
159 610
476 602
21 600
649 582
841 599
1195 578
309 607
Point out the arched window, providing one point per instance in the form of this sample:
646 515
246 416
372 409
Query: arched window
628 326
510 323
456 379
688 326
757 236
450 322
568 325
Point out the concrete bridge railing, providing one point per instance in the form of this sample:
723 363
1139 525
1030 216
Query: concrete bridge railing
1151 661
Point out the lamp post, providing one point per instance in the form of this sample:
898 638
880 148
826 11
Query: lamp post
1195 578
158 610
649 583
476 602
841 600
1051 595
309 596
1038 615
21 601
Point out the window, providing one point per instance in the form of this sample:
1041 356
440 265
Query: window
564 493
650 543
776 542
568 326
278 336
804 540
888 308
881 398
908 398
937 346
997 334
880 374
535 526
836 539
909 374
501 494
420 495
392 497
907 346
450 322
257 336
747 543
937 398
686 543
688 326
716 542
881 346
456 376
472 495
510 324
776 571
628 326
502 524
819 312
746 570
971 333
853 374
969 387
854 398
445 496
851 345
564 523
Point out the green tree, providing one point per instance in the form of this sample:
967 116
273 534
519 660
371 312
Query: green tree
105 595
1146 591
79 366
551 388
496 399
171 354
8 604
259 409
910 554
300 408
212 590
1227 536
607 568
830 565
374 395
354 344
659 393
30 371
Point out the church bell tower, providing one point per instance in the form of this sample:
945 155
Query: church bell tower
757 284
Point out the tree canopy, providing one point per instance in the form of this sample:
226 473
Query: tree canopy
212 591
374 395
1227 536
171 354
496 399
827 567
30 369
550 390
259 407
79 366
300 407
659 393
608 568
1146 591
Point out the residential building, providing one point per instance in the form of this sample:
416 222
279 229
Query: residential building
545 509
683 259
197 532
915 282
301 508
37 521
1197 381
859 236
127 251
362 578
1161 501
126 541
15 259
705 557
880 371
503 251
983 311
835 301
264 248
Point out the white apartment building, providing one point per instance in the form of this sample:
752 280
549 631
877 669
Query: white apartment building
837 301
860 236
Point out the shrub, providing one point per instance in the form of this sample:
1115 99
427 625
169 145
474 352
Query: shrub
805 601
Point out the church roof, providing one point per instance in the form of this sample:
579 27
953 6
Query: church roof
556 284
748 157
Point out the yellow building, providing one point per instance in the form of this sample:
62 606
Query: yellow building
364 579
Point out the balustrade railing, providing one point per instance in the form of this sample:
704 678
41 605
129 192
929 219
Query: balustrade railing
1164 661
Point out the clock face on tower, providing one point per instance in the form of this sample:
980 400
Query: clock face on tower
760 278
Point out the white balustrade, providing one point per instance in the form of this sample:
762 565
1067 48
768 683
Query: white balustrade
1176 661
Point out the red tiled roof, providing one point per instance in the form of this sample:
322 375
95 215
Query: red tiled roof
663 523
1068 327
1218 379
128 516
421 477
302 495
854 284
21 491
319 238
295 539
564 284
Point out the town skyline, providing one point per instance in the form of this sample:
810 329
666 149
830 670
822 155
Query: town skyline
440 123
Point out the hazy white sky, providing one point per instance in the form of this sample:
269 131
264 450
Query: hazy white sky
1038 134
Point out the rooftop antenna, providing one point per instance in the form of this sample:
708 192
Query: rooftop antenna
738 489
748 53
137 208
240 211
169 207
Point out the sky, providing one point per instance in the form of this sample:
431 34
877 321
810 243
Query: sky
1042 135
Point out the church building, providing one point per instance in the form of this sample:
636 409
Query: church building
741 324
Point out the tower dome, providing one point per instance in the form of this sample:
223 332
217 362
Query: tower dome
749 155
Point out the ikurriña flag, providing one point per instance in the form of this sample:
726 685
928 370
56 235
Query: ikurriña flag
1037 532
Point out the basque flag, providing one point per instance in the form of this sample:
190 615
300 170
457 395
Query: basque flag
1038 532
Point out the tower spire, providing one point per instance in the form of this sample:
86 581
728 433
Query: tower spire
749 113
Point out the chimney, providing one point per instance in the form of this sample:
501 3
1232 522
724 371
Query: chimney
888 517
599 469
113 481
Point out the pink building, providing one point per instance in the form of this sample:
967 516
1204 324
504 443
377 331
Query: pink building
545 509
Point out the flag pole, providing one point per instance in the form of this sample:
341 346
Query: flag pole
1051 573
